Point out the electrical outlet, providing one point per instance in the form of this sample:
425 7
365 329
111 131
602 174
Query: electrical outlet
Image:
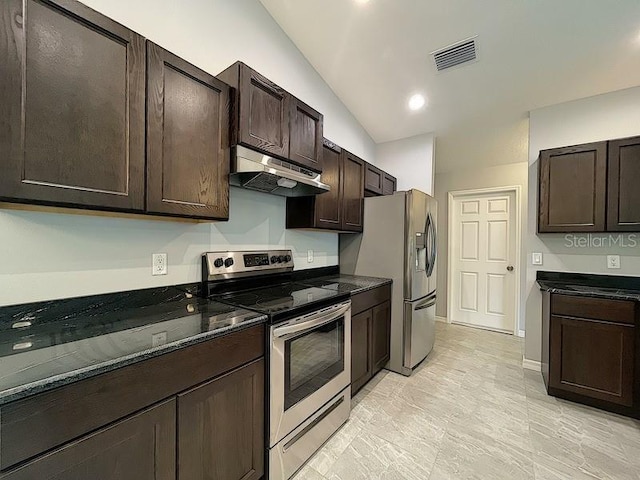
536 258
159 264
158 339
613 261
309 256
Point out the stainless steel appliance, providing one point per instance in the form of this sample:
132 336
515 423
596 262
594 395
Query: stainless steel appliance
255 171
309 350
399 242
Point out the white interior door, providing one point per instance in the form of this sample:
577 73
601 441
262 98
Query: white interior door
483 254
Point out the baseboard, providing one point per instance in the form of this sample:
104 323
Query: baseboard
441 319
531 364
520 333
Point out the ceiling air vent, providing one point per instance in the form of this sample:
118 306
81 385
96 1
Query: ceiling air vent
456 54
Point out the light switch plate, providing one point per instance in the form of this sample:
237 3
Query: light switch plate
536 258
309 256
159 264
613 261
158 339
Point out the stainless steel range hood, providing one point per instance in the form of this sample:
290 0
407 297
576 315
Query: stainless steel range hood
256 171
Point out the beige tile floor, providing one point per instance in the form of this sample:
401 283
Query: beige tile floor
471 412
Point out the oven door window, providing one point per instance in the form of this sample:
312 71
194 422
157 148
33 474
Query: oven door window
312 360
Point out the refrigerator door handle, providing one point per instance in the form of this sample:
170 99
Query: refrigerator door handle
431 262
427 229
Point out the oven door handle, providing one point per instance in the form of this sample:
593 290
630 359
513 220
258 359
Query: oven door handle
312 321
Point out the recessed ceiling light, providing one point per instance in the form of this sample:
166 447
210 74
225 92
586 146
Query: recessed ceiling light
416 102
362 2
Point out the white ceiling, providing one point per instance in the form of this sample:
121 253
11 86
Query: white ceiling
532 53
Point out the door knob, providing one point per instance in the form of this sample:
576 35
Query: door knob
510 268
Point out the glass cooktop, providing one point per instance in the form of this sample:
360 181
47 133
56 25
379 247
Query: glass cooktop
284 299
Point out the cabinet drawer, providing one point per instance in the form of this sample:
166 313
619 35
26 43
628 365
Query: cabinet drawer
369 299
620 311
36 424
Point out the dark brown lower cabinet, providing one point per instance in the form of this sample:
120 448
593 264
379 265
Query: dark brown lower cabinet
221 427
381 333
361 368
589 351
141 447
370 335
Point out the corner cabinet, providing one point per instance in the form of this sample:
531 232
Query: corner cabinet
142 447
589 351
269 119
341 208
590 187
72 119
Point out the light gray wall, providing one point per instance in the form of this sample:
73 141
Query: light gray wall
468 179
46 255
410 160
603 117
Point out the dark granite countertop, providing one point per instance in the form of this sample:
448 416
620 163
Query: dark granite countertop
602 286
352 284
48 344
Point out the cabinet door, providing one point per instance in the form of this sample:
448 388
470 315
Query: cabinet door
187 138
352 192
388 184
221 427
305 137
592 358
263 113
72 116
381 335
328 205
373 179
572 189
142 447
361 368
624 177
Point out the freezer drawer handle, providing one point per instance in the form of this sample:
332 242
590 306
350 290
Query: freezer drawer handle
430 304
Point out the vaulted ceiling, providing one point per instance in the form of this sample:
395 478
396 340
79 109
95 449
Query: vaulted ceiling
375 54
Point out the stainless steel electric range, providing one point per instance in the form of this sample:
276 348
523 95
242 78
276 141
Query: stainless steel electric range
309 349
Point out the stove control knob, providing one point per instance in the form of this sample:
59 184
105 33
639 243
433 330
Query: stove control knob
274 259
287 258
218 263
280 259
228 262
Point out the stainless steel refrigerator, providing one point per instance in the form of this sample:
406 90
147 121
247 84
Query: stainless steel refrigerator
399 242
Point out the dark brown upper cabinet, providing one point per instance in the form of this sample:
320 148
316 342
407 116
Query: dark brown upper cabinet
573 188
378 182
187 138
623 203
373 180
353 172
72 90
306 126
389 184
271 120
330 210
